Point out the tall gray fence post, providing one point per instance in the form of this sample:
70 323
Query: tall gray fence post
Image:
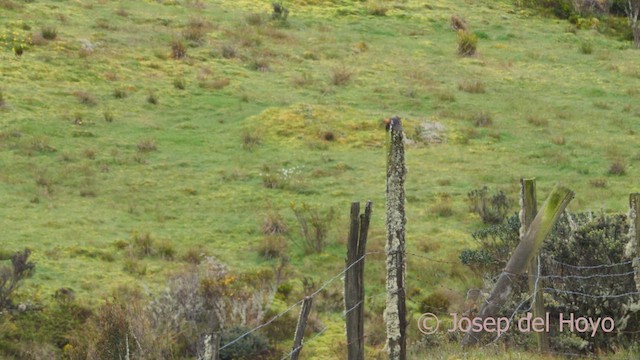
395 313
632 249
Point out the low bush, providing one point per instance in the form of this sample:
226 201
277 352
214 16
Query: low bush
250 140
280 12
178 49
482 119
11 277
49 32
617 167
492 209
147 145
314 227
341 75
467 43
580 256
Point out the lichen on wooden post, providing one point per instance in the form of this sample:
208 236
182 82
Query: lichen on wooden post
632 250
395 312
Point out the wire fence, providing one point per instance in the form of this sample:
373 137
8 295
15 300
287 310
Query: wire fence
520 308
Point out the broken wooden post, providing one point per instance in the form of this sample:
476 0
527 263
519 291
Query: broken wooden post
302 323
632 250
395 316
528 210
354 280
522 255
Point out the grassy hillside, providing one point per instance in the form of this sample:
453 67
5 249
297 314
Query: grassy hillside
108 133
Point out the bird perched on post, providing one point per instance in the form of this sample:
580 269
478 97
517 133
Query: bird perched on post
389 121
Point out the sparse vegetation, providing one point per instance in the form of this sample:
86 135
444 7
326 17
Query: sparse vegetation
472 86
250 140
109 127
618 167
49 33
467 43
178 49
147 145
314 227
86 98
492 209
341 75
482 119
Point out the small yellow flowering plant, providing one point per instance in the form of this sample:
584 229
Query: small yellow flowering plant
16 40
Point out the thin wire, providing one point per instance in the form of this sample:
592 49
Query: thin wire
344 313
294 305
260 326
596 266
586 276
593 296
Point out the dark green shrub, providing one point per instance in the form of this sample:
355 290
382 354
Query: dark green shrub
583 254
436 303
280 12
152 99
492 209
253 346
562 9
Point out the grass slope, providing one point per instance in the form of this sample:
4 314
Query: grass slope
75 187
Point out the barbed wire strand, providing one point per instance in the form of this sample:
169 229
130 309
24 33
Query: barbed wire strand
316 292
596 266
591 295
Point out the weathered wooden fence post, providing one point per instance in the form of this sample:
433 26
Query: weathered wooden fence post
522 255
211 346
395 316
632 249
302 323
528 210
354 280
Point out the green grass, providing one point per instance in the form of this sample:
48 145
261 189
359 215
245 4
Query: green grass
177 167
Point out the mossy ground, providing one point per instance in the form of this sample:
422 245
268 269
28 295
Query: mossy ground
74 186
